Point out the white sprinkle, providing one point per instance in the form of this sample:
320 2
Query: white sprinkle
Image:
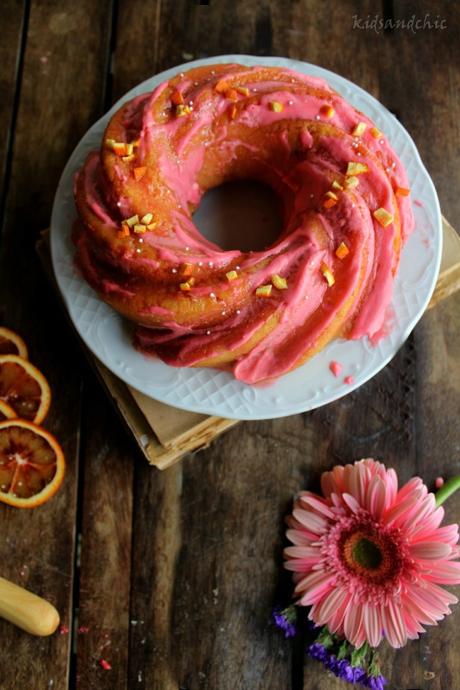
388 169
317 117
190 102
181 74
200 263
254 89
353 205
138 251
292 81
213 71
381 141
187 249
212 295
238 311
118 203
238 268
195 83
290 102
393 165
140 240
174 270
208 332
223 312
210 263
359 153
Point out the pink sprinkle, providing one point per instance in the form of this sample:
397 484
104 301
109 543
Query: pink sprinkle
417 202
438 482
336 368
83 629
63 630
105 665
349 380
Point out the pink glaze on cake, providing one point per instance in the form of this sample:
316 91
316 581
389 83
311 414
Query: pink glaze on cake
299 151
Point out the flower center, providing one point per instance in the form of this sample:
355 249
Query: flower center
369 555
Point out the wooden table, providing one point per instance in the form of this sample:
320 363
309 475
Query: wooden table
171 576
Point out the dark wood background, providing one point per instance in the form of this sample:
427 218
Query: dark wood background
173 575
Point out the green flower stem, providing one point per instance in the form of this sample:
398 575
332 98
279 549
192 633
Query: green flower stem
447 490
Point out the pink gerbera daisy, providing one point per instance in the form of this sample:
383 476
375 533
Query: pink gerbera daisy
368 558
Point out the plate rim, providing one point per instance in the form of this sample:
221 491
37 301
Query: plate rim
297 407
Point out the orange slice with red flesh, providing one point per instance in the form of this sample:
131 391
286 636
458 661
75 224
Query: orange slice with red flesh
12 344
24 388
6 411
32 464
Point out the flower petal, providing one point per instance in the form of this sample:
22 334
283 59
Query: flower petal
353 623
391 485
300 537
319 505
431 602
326 610
372 624
444 573
430 550
302 552
393 624
332 482
400 511
351 502
314 586
335 624
357 482
430 523
314 523
376 495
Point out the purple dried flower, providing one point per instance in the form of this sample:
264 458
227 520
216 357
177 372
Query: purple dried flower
359 675
284 620
332 664
345 671
376 682
318 651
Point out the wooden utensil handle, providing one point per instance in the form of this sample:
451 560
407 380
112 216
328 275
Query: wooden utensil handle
26 610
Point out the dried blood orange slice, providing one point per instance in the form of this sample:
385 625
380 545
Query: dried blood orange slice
12 344
6 411
24 388
32 464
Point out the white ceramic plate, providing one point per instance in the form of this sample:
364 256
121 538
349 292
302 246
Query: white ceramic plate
211 391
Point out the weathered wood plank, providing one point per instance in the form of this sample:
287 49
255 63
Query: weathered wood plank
104 585
60 92
13 19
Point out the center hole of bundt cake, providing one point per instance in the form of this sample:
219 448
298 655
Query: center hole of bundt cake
244 215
